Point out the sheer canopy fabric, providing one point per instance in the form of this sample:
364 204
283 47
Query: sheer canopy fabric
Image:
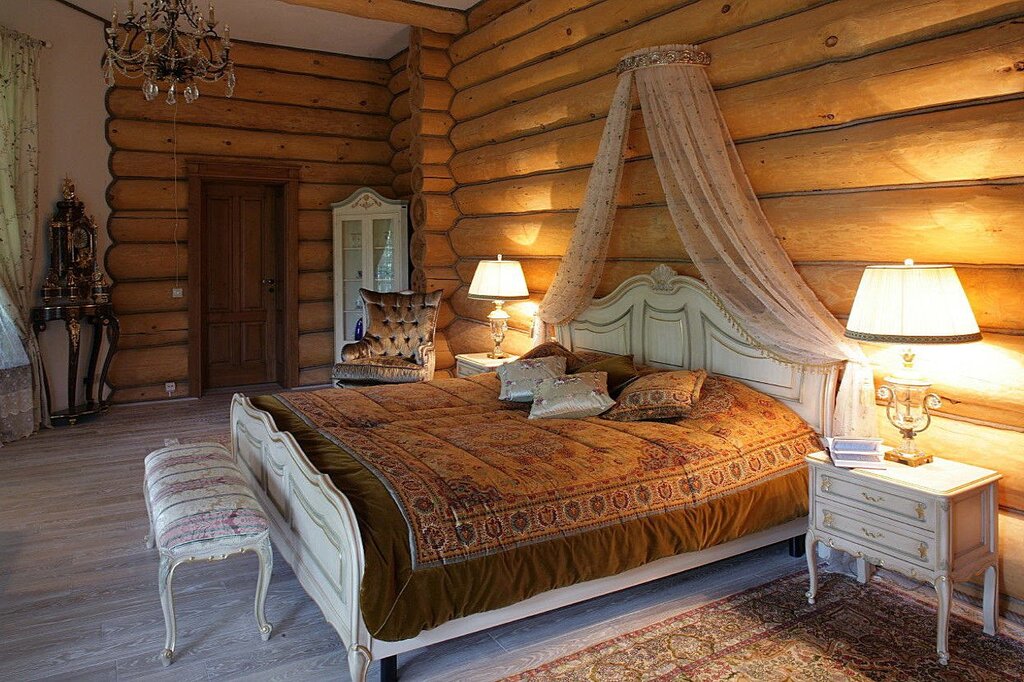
721 225
20 370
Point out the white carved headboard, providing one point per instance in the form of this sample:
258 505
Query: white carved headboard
668 320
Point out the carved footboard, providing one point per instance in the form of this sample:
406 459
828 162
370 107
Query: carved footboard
312 524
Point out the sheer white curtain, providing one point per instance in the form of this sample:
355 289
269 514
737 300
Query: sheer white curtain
21 394
719 221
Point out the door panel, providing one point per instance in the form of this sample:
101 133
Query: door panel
240 266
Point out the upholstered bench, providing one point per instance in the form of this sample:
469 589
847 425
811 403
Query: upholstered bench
201 509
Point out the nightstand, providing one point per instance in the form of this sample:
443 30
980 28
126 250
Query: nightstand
937 523
468 364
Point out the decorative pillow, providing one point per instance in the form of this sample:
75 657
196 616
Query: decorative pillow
519 379
554 349
620 369
663 395
573 396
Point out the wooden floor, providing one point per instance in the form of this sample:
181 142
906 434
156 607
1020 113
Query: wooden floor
78 598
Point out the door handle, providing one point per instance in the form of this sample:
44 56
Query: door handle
268 281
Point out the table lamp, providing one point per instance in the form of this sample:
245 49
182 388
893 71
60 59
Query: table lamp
498 281
910 304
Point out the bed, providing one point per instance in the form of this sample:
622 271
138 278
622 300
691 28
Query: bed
488 517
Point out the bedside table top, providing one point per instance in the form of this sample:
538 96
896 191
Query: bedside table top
942 477
481 359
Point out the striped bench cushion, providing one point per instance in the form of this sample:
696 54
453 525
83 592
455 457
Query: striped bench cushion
199 500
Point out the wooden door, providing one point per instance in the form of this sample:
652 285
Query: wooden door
240 284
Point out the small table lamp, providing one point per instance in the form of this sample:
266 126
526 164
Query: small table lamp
910 304
498 281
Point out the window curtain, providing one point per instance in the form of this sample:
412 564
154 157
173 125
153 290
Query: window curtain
719 221
21 394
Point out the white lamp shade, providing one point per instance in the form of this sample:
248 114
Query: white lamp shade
499 280
911 304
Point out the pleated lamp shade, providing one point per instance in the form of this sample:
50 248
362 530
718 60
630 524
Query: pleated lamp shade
913 304
499 280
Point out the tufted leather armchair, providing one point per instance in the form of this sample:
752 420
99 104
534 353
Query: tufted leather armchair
398 346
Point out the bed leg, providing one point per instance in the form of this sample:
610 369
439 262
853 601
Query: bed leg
389 669
797 546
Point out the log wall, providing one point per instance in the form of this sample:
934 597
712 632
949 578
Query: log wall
872 131
329 114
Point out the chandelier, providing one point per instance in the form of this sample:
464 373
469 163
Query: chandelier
169 42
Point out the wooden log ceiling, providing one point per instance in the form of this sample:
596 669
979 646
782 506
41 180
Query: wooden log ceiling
416 14
328 114
872 131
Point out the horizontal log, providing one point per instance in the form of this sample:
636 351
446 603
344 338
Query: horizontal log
445 314
423 37
402 185
441 19
161 165
316 316
979 224
515 22
160 228
316 349
315 225
314 256
147 261
136 394
401 161
400 109
487 11
428 94
399 81
310 62
439 251
321 196
315 376
231 113
771 45
961 144
400 62
971 65
152 340
465 336
161 195
153 329
432 62
432 150
147 297
143 366
401 134
315 286
434 123
436 212
158 137
262 85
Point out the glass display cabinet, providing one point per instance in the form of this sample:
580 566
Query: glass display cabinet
370 252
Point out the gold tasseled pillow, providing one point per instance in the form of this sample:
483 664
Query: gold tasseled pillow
664 395
550 349
573 396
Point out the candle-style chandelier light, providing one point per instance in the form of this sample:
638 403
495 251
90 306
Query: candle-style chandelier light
169 42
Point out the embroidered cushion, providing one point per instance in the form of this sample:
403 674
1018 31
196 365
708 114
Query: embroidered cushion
199 500
554 349
620 368
573 396
519 379
662 395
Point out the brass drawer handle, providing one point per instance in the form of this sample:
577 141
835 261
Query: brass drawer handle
826 484
827 519
920 509
872 499
923 551
870 534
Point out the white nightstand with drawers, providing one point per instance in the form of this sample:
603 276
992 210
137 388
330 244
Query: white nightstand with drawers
937 523
468 364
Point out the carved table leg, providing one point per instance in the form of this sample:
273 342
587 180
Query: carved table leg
812 565
166 580
40 326
864 571
990 602
94 355
74 328
944 590
113 336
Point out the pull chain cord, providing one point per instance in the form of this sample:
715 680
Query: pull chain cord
174 177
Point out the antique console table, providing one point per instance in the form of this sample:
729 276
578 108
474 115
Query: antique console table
101 317
77 293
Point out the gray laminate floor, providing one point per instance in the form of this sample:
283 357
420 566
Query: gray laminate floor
78 597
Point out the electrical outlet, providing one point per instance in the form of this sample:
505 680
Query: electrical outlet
177 292
170 387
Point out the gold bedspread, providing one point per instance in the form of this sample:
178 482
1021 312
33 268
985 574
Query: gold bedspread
465 505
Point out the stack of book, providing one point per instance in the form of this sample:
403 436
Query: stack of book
857 453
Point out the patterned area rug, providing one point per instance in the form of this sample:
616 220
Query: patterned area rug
854 632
